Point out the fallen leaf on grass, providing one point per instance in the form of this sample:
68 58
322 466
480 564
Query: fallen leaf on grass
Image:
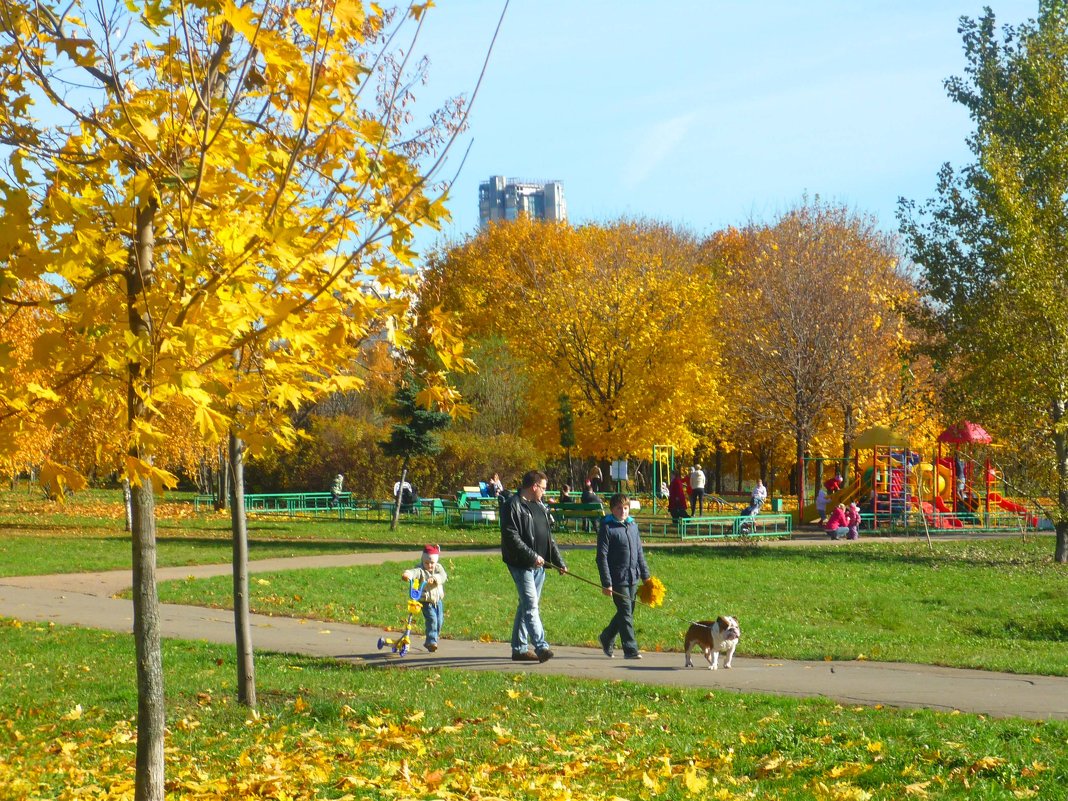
74 714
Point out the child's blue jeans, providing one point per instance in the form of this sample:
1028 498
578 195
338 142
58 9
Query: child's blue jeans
433 614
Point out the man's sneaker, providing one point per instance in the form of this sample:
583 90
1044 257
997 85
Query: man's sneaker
525 656
606 646
432 646
544 655
632 656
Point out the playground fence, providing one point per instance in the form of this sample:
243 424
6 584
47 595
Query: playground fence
735 526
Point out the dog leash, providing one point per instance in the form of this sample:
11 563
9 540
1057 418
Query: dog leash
597 584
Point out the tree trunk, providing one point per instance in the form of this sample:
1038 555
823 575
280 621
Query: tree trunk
149 769
763 452
741 467
800 484
150 699
847 439
246 664
128 503
1060 444
719 467
222 491
397 497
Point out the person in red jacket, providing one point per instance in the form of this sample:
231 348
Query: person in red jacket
837 525
833 484
677 496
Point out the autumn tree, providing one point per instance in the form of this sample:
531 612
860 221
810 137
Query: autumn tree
812 300
201 180
617 317
498 389
993 244
29 438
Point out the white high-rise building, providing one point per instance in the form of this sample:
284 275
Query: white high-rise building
502 198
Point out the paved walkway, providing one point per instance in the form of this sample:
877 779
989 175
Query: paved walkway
87 600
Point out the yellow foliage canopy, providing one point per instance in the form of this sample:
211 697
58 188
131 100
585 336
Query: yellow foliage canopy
617 317
216 228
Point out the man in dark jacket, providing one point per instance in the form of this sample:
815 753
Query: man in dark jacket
621 564
527 546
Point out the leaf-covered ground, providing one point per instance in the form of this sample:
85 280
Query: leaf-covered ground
327 731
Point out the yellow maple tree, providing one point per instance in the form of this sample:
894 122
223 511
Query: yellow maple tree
219 210
618 317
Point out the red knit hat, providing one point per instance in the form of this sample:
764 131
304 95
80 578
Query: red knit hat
432 551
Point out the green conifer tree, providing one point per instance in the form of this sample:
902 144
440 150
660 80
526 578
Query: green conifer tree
415 433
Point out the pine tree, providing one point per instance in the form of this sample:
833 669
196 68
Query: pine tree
414 434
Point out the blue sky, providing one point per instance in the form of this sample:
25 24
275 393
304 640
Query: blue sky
706 114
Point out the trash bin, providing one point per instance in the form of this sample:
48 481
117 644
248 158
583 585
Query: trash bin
776 505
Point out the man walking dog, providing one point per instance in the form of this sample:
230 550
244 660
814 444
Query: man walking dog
527 546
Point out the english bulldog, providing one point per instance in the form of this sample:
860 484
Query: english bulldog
721 634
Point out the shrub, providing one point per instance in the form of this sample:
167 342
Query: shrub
349 446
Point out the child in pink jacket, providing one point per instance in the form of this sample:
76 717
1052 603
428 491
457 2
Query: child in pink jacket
837 526
853 521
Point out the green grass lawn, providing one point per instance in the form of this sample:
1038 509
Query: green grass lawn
87 533
991 604
331 731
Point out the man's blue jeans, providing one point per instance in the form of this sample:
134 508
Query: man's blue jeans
433 614
527 628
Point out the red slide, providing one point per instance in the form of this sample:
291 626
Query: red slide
1009 506
946 520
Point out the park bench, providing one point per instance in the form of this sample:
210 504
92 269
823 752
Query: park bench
448 508
469 495
579 516
479 510
416 507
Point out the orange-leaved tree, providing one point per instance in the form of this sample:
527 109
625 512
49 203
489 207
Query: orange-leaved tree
220 197
815 301
619 318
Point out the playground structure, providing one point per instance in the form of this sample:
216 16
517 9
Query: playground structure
959 488
663 463
897 488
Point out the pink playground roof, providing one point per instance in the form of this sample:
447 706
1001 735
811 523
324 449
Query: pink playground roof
964 432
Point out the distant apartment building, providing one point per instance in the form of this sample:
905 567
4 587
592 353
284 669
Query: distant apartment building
502 198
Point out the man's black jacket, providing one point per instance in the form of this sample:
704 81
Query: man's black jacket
517 537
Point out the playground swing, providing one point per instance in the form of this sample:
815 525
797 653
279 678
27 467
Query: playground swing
400 645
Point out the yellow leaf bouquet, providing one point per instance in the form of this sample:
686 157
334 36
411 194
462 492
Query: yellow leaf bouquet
651 593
